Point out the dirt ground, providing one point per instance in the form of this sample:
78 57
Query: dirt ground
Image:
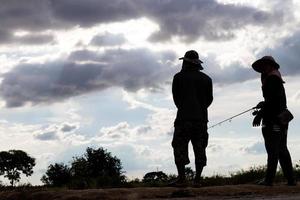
204 193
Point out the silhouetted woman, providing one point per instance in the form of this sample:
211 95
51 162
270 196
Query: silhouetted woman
275 118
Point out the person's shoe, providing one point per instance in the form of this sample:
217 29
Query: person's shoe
178 183
291 183
264 183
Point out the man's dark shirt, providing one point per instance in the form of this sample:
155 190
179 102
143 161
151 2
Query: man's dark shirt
275 98
192 94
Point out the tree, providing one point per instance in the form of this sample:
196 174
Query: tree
80 173
57 175
15 162
97 167
102 163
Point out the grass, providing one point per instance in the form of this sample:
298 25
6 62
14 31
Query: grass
248 176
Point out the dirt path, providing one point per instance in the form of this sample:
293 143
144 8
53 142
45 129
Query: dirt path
204 193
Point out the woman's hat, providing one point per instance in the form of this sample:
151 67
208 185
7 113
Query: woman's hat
264 61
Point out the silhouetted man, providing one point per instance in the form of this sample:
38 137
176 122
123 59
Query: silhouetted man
275 117
192 94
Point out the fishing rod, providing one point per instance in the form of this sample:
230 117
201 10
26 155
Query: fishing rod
229 119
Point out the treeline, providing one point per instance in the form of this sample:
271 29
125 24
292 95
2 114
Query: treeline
98 168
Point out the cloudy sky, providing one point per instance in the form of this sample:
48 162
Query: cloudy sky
79 73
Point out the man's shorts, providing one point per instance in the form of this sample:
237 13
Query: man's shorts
196 132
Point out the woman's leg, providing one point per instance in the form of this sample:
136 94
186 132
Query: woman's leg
272 140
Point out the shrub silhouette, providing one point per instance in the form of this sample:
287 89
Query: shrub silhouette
155 177
96 168
57 175
159 178
15 162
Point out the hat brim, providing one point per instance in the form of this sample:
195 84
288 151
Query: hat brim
195 62
260 64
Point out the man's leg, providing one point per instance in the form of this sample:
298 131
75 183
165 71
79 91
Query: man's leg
199 142
180 149
271 135
181 172
199 169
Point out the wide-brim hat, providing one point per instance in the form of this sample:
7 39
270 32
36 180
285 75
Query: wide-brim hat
264 61
193 58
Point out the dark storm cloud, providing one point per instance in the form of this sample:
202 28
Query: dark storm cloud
4 36
34 39
131 69
108 39
188 19
28 15
209 19
37 83
54 81
28 39
34 16
90 12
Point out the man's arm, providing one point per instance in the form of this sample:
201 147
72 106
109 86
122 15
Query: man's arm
209 93
175 91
